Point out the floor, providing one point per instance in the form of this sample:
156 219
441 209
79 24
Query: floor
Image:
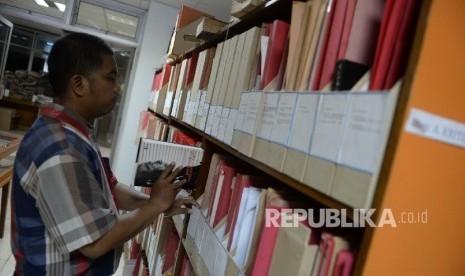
7 261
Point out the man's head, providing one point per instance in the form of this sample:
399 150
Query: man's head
82 73
74 54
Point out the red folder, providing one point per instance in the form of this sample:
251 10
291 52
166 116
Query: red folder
191 66
234 202
403 44
324 46
228 173
334 42
166 74
275 50
266 246
344 263
348 18
156 81
171 248
211 181
394 43
365 31
246 181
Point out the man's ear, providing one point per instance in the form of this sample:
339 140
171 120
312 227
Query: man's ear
79 85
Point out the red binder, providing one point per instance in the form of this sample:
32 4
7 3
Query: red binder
274 54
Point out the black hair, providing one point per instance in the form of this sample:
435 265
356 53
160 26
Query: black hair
74 54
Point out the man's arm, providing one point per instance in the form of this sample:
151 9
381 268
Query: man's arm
128 225
128 198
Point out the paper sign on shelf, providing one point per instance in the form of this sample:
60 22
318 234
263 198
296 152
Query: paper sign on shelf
435 127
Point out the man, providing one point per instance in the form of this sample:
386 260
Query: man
65 200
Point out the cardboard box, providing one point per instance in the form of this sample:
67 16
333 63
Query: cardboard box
7 112
7 118
7 123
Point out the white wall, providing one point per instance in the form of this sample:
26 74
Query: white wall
157 34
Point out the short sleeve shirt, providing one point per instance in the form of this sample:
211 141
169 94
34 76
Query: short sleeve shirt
61 198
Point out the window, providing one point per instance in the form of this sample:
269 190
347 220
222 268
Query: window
28 50
107 20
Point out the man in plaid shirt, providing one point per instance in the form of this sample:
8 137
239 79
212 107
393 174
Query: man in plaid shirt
65 200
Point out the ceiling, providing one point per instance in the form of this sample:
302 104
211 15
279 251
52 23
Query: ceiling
114 18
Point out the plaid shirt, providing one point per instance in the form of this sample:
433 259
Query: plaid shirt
61 198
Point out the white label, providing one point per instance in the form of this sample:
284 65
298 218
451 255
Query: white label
283 120
203 118
216 120
228 136
193 222
303 121
221 261
329 126
169 98
268 116
210 118
436 127
365 129
223 123
243 106
252 112
201 225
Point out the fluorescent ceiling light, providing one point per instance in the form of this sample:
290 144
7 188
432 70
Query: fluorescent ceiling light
60 6
41 3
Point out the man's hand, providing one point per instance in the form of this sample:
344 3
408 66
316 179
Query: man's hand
177 208
165 188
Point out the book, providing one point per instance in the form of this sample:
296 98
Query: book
208 27
344 263
357 50
192 99
348 73
394 44
224 122
245 82
153 156
278 37
223 192
153 97
164 84
211 180
186 86
301 133
179 88
169 256
171 89
281 130
330 246
246 181
328 65
296 30
295 251
212 81
313 38
228 84
368 121
216 86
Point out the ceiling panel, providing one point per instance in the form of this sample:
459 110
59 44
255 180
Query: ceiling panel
31 6
220 9
143 4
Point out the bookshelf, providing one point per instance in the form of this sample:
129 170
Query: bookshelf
376 253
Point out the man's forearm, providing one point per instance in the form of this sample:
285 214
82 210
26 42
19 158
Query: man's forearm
127 226
128 198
